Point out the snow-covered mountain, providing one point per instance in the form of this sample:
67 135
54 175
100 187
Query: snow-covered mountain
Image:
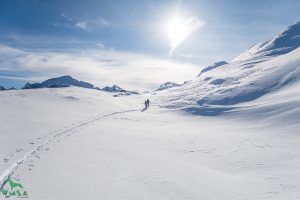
120 91
167 85
63 81
287 41
271 67
215 65
66 81
11 88
113 88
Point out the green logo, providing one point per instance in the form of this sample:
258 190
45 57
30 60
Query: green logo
13 189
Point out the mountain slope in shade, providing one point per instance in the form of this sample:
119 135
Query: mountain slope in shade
113 88
63 81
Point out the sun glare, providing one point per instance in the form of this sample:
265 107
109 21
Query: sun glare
178 30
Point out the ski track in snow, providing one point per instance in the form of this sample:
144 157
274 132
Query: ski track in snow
49 138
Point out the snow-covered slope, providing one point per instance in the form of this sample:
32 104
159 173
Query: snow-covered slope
238 81
287 41
278 109
76 143
63 81
215 65
167 85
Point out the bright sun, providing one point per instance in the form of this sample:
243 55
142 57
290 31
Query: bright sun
178 30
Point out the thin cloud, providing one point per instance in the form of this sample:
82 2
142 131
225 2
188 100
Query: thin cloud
92 24
102 21
81 25
100 45
66 17
100 67
86 24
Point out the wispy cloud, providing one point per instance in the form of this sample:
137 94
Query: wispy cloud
86 24
91 24
100 67
81 25
100 45
66 17
102 21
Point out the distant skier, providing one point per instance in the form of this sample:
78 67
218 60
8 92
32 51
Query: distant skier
148 103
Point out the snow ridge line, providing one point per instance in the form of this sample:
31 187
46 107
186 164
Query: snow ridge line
10 170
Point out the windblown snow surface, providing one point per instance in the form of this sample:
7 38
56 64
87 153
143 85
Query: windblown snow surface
232 134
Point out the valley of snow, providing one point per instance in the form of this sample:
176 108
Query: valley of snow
90 145
231 133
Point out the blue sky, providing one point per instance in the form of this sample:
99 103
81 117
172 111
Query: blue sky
125 31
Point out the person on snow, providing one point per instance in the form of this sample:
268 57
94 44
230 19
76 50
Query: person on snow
148 103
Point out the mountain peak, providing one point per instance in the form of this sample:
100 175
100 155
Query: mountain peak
66 77
2 88
211 67
285 42
62 81
113 88
167 85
